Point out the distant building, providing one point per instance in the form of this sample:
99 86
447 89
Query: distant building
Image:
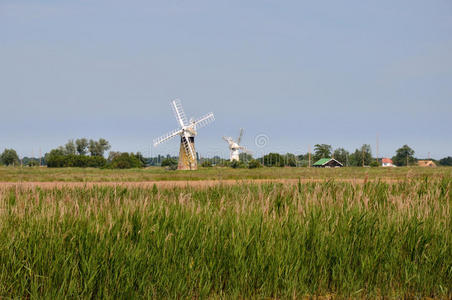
426 163
327 163
387 162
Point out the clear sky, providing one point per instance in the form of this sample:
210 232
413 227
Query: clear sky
298 72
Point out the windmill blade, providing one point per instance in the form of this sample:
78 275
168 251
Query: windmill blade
167 136
240 136
188 147
229 141
204 121
179 112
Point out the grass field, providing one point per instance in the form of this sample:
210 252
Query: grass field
329 238
26 174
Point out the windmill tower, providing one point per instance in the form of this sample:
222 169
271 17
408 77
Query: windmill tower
234 146
187 133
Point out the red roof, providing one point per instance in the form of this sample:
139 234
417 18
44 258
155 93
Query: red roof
386 161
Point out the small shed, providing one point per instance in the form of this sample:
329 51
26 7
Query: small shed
327 163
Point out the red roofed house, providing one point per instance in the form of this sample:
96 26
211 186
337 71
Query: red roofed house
387 162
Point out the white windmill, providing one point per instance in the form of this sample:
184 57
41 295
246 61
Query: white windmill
234 146
187 133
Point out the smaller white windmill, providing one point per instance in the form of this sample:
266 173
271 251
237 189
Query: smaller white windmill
234 146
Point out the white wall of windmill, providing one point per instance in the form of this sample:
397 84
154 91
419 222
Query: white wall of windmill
235 155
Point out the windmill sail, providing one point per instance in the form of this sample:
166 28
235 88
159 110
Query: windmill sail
240 136
179 112
167 136
204 121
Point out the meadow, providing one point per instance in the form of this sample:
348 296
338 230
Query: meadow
268 240
36 174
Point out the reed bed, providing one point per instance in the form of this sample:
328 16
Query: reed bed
272 240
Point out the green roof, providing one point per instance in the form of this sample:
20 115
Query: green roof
321 161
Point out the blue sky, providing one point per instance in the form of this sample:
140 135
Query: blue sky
298 72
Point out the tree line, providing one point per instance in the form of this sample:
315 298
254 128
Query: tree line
79 153
91 153
362 156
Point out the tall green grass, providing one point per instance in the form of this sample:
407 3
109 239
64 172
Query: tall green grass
269 240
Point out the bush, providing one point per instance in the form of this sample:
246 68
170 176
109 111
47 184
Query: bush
95 161
172 167
446 161
126 161
273 160
33 163
374 164
57 159
206 164
253 164
237 164
168 162
224 163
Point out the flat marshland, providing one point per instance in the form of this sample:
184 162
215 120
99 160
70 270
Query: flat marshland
36 174
250 240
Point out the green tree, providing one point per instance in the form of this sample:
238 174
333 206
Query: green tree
290 160
9 157
70 148
303 160
55 158
112 155
92 147
273 160
216 160
98 148
404 156
374 164
361 156
237 164
245 157
322 151
125 161
32 163
141 158
303 157
446 161
81 146
206 163
169 162
341 155
253 164
224 163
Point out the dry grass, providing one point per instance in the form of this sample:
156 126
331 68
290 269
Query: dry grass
8 174
168 184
